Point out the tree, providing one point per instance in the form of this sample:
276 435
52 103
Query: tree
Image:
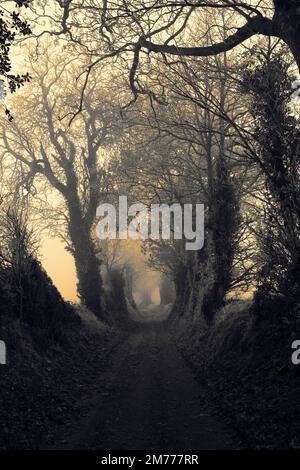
191 152
68 159
284 24
277 139
160 27
166 290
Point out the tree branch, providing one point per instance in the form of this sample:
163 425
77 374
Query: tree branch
255 25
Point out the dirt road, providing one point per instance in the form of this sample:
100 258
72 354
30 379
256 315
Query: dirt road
148 399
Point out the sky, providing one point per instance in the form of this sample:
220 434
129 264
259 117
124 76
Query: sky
60 266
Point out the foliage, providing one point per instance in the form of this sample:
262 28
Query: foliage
26 291
11 25
277 137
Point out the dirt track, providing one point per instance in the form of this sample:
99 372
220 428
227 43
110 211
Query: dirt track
148 399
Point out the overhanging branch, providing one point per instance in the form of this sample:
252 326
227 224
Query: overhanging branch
255 25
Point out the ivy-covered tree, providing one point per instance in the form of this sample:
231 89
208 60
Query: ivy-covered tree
277 134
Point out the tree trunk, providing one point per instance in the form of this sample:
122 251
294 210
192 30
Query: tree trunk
167 291
128 285
287 24
90 287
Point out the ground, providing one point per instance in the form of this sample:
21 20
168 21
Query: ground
246 364
150 388
147 398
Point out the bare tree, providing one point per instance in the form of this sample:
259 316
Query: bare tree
67 158
192 150
140 27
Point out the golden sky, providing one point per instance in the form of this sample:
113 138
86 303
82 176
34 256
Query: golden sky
59 265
